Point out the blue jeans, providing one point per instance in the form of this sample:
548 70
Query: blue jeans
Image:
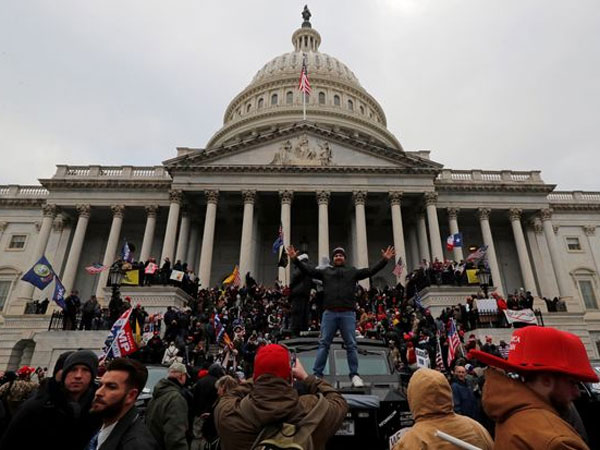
330 323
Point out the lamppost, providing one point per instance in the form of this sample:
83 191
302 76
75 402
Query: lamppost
115 275
483 276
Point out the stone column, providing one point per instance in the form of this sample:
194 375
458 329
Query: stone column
247 234
286 223
323 201
168 249
398 231
562 277
111 249
434 226
70 272
362 250
514 215
192 252
184 235
413 247
453 225
49 212
208 237
486 232
146 250
3 226
422 236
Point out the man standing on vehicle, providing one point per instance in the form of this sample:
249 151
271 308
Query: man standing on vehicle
339 285
527 410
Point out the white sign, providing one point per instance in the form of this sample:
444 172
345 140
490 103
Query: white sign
394 438
487 305
176 275
523 316
422 358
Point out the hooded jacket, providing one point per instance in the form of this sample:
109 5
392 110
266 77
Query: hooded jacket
274 400
167 415
49 420
430 402
339 282
516 409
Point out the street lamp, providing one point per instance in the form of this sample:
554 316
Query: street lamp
483 276
115 275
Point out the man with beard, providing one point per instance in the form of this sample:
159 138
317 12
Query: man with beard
529 410
58 416
122 427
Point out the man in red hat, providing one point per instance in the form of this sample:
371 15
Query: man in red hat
270 398
527 410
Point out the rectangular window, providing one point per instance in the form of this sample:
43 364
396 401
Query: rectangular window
587 291
17 241
4 289
573 244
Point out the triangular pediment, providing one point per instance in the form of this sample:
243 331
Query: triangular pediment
305 147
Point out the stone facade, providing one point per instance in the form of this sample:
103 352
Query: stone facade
340 178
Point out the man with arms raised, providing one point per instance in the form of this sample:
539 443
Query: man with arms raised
527 410
339 285
122 427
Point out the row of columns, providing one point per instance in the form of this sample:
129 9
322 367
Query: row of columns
188 240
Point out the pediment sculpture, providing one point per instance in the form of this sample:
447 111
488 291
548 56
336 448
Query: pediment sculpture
302 153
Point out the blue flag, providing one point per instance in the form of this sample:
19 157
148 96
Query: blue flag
458 239
59 293
41 274
126 252
279 241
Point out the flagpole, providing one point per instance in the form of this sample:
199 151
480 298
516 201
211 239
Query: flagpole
304 106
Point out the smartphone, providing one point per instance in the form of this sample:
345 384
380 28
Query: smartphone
292 358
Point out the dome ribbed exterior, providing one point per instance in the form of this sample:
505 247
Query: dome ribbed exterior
337 99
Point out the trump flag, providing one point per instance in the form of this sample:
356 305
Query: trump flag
121 341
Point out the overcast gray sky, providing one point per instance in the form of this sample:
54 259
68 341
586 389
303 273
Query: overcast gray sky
492 84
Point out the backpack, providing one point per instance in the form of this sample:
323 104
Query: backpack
287 436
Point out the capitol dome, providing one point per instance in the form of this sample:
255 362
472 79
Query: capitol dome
337 101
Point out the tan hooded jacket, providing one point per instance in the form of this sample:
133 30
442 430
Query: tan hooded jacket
523 419
430 401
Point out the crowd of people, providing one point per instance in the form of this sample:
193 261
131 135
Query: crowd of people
231 382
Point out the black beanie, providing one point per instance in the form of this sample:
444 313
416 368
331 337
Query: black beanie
85 357
60 362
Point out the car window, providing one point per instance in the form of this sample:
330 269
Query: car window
155 374
308 361
372 363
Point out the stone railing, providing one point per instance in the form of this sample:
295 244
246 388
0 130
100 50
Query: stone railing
489 176
24 192
574 197
116 172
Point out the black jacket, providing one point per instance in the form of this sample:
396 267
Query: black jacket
48 420
300 285
130 433
339 282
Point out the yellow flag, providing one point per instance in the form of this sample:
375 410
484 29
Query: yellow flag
230 279
138 333
472 276
132 277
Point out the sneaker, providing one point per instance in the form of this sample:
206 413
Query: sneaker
357 382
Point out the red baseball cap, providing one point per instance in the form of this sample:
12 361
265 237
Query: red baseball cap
543 349
272 359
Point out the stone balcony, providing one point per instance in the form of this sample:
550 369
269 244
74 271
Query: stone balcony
154 299
489 176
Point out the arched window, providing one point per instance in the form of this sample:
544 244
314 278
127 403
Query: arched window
350 105
336 100
274 99
289 98
362 109
322 98
248 106
261 103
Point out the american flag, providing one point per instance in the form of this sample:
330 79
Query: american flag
398 268
478 254
417 300
304 84
236 276
95 268
453 342
439 360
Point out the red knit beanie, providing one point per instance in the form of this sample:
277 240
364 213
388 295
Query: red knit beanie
274 360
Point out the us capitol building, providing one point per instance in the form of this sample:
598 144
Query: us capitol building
340 177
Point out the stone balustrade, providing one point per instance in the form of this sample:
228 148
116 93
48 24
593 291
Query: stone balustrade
574 197
116 172
489 176
16 191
